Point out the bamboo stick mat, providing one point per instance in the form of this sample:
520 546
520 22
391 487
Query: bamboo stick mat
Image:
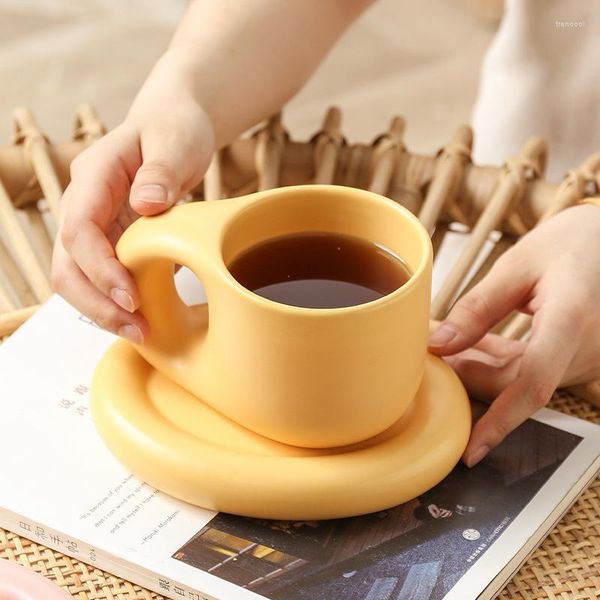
565 567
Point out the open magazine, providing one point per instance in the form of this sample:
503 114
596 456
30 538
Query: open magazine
63 488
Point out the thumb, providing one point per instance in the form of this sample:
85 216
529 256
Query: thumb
506 287
159 181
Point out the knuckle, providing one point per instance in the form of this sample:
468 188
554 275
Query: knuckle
538 395
69 233
107 317
156 169
99 275
496 425
101 279
499 429
474 306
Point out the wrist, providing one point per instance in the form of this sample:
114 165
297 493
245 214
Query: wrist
169 92
209 84
165 109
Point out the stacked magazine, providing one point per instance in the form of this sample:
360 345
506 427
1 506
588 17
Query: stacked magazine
63 488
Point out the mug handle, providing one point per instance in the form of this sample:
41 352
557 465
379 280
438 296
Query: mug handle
189 235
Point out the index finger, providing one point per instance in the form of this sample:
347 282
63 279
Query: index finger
101 177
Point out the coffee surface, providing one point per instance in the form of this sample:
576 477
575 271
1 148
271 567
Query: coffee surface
319 270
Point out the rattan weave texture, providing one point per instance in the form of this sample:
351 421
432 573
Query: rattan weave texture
82 581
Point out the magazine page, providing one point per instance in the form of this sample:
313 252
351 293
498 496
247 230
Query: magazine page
65 489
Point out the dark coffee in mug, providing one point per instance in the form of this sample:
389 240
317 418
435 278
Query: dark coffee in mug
319 270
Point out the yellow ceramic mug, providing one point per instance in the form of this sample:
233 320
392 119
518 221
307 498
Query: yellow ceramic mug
302 376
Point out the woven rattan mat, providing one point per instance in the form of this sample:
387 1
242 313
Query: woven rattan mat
565 567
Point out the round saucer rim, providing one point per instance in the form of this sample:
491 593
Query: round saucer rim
330 474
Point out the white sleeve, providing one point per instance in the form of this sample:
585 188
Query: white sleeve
541 77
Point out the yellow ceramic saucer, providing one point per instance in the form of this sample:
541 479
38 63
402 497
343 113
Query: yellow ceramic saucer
180 445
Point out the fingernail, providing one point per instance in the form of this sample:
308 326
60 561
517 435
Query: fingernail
123 299
153 193
131 333
477 455
442 335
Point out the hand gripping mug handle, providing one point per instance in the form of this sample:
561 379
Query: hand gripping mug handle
188 235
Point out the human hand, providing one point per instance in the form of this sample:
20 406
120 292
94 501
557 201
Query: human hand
230 65
552 273
142 167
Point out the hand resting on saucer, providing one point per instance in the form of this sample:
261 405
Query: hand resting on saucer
553 274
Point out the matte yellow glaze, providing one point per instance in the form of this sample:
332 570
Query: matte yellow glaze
307 377
177 443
